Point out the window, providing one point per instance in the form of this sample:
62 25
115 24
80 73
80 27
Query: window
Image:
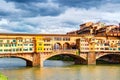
114 48
106 48
46 44
66 39
1 41
25 49
14 45
40 44
20 49
39 48
106 44
30 49
91 48
20 40
13 50
17 49
93 39
14 40
118 48
1 45
118 44
57 38
31 44
101 48
6 45
97 48
8 41
0 50
110 48
46 40
19 44
25 44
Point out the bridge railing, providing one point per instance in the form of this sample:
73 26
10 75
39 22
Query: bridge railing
67 51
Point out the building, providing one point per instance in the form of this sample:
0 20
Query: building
87 44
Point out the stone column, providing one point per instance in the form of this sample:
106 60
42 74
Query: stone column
42 56
91 58
36 59
41 63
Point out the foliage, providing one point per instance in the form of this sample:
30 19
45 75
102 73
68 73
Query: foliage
2 77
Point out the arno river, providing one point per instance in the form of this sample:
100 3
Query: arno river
15 69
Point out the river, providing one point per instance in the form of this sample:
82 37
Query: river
15 69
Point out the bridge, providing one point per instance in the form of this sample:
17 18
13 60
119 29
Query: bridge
86 45
37 59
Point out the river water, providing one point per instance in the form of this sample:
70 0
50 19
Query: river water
15 69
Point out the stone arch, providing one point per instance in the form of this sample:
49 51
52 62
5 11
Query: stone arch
57 46
66 45
77 59
104 54
110 57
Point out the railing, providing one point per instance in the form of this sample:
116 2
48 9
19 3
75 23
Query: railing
70 51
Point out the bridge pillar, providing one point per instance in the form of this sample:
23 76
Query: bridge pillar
35 61
41 63
42 56
91 58
28 63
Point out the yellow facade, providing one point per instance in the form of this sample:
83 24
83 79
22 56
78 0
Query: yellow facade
39 44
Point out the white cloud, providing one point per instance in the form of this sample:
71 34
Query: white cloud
4 22
5 30
47 4
58 24
8 6
63 23
110 7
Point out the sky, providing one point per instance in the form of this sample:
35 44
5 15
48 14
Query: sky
55 16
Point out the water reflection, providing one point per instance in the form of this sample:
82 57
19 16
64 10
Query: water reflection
58 70
11 63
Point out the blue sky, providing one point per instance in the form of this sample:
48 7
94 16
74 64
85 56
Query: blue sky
55 16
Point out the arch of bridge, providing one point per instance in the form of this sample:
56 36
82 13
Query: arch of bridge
105 54
59 52
24 57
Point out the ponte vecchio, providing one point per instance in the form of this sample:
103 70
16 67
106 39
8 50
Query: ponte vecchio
93 41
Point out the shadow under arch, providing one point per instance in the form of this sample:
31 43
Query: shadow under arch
109 58
28 62
77 59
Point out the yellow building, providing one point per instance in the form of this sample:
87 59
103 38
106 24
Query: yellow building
39 44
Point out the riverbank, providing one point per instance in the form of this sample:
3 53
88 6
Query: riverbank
2 77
